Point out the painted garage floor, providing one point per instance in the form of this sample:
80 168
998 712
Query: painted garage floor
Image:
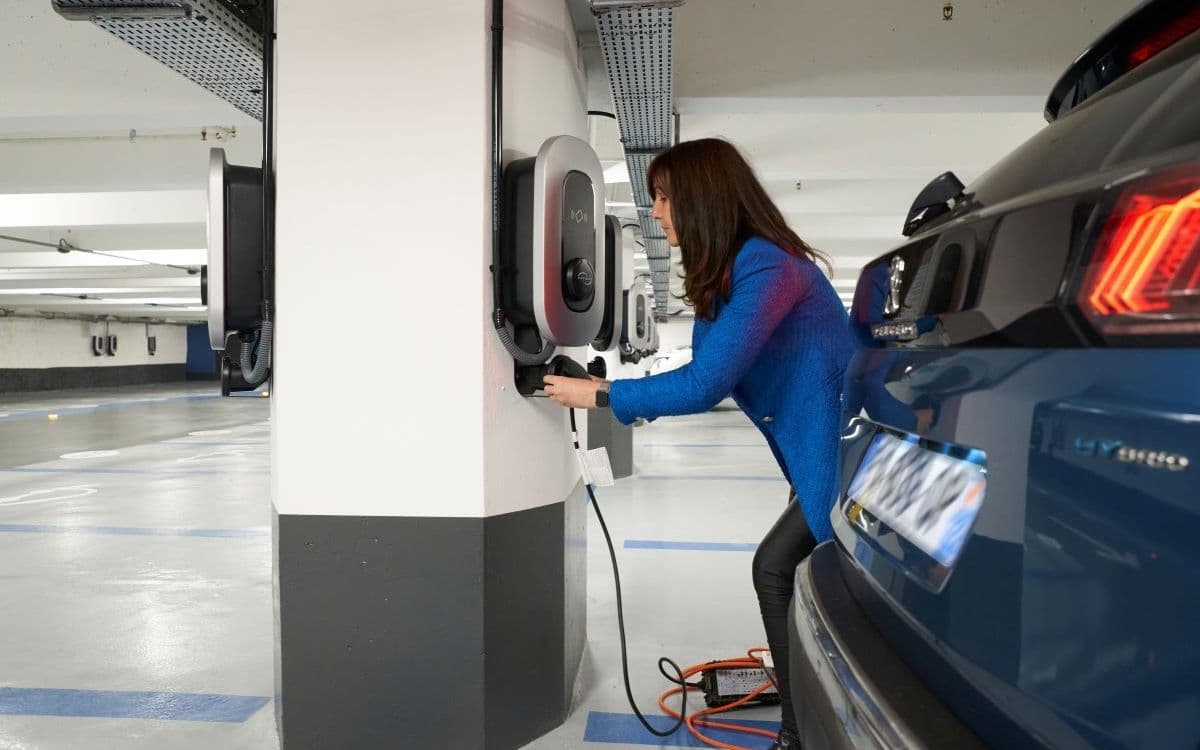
135 561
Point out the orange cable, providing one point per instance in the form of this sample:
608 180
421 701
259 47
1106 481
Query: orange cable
698 717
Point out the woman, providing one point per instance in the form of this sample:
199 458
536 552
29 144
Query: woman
769 330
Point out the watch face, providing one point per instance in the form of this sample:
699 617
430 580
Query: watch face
601 397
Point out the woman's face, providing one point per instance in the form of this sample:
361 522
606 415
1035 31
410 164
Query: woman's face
662 212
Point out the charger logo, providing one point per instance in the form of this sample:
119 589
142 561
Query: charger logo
578 216
1117 450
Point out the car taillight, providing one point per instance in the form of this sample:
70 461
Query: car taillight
1163 38
1144 273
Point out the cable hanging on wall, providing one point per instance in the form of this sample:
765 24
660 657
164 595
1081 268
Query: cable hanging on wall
65 247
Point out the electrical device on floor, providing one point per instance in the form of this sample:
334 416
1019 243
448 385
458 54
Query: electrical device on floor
724 686
727 684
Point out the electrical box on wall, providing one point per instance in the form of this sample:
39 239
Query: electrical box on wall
614 297
232 282
553 245
552 263
639 334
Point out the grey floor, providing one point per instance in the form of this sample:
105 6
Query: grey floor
138 605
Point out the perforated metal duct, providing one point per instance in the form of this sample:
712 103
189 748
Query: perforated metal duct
215 43
636 38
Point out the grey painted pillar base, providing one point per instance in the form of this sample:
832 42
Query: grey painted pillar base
605 431
429 632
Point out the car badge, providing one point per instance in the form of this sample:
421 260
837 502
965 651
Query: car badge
895 287
1117 450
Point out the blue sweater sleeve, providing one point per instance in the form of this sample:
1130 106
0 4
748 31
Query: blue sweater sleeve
766 285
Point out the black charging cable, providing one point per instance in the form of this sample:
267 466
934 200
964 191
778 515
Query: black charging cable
677 679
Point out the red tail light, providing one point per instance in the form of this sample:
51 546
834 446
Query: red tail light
1144 274
1164 38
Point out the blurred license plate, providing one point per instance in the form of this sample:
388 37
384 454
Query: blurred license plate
928 497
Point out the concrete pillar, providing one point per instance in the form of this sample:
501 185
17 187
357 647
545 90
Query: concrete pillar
430 522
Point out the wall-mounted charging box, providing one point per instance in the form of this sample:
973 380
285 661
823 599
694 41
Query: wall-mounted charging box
638 332
231 284
614 296
552 245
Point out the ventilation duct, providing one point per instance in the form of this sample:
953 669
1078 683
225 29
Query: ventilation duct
636 38
214 43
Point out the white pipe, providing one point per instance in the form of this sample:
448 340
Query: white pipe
216 133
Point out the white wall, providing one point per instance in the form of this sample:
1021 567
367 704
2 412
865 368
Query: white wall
32 343
389 234
673 334
53 164
379 244
528 458
447 413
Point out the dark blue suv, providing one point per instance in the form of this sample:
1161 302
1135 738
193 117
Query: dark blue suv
1017 561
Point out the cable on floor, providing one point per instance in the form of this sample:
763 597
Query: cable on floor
679 680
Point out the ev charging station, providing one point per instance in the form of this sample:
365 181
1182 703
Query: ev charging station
552 275
639 334
232 284
614 300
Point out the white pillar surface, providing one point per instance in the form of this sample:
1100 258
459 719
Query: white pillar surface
381 162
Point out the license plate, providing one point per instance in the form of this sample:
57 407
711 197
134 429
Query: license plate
929 497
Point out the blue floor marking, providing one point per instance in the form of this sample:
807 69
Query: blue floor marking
717 478
625 729
112 704
37 528
690 546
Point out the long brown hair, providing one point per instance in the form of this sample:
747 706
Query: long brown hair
722 204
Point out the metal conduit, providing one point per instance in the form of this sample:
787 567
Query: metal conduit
636 38
206 41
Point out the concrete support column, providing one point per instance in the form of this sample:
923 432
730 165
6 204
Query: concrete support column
429 521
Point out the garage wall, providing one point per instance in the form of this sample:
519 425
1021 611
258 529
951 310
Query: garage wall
46 354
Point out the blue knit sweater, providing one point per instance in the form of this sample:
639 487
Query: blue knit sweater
779 346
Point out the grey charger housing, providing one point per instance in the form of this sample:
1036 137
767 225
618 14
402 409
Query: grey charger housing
552 245
231 283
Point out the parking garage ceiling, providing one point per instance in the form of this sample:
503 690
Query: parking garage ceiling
845 109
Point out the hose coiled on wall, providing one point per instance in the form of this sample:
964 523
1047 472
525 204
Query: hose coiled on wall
517 353
255 372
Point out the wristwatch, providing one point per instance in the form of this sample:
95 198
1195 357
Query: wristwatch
602 395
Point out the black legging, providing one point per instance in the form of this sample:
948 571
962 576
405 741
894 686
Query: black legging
787 543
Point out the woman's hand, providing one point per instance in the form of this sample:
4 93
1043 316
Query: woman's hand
572 392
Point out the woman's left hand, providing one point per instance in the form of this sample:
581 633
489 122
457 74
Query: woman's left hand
571 392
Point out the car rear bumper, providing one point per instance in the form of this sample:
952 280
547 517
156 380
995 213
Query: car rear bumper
849 687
